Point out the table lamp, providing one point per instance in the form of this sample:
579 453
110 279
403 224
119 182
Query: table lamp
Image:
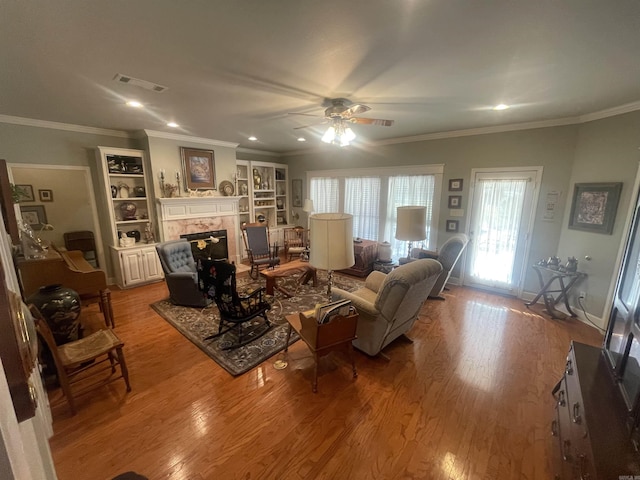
412 225
331 243
308 209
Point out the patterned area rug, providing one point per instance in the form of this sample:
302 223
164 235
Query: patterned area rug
198 323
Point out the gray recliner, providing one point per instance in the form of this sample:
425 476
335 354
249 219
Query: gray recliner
389 304
180 273
448 256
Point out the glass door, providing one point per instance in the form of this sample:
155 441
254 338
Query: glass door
501 219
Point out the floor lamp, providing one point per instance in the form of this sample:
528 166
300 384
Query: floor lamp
331 243
412 225
308 209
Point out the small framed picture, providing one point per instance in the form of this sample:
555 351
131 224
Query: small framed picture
455 201
296 192
452 225
35 216
455 185
24 193
46 195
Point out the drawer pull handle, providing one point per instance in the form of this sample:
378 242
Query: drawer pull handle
576 413
582 465
569 367
566 453
554 428
561 401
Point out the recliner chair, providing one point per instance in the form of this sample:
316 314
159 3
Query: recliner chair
180 273
448 256
389 304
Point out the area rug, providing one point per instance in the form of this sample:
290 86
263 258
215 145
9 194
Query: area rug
198 323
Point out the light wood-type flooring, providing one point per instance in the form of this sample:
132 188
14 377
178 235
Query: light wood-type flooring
470 398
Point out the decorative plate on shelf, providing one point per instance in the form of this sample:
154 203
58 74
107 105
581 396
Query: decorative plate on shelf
226 187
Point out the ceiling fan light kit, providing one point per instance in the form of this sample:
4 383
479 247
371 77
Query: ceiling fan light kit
339 134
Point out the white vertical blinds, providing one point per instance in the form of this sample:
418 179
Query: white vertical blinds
362 200
498 226
325 193
407 190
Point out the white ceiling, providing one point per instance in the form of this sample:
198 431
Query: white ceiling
236 68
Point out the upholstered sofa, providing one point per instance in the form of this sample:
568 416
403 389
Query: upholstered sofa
180 273
389 304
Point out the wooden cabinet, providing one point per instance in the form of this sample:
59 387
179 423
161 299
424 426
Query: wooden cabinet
126 190
589 429
137 266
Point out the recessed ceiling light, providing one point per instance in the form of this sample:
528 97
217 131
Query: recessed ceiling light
172 125
302 139
501 106
134 103
252 138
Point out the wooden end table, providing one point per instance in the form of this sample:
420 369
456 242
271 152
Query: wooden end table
285 270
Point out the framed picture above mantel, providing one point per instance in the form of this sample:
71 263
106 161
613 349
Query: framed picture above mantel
198 169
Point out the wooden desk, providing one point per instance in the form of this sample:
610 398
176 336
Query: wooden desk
286 269
68 268
325 338
547 277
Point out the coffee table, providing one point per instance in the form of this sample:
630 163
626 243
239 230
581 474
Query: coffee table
285 270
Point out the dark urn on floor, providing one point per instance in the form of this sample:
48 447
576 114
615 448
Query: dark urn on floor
60 307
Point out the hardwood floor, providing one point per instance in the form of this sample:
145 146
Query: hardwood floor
470 398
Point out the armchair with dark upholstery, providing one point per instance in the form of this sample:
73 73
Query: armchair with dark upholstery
259 249
217 280
448 256
180 273
389 304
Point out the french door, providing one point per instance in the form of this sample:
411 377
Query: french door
502 212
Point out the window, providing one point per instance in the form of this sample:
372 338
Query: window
373 195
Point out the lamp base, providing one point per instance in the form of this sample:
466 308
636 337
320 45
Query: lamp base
329 283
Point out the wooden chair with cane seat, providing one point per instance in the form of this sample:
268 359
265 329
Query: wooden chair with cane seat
295 241
79 361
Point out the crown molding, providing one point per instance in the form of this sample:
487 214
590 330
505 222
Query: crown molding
188 138
610 112
69 127
258 152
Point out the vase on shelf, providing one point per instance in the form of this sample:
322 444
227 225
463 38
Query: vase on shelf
128 210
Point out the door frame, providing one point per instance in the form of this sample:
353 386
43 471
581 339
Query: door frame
537 170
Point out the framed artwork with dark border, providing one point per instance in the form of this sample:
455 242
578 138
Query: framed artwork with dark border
296 192
455 201
24 193
34 215
198 169
594 207
46 195
453 225
455 185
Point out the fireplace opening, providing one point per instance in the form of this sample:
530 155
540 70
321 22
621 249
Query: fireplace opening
212 244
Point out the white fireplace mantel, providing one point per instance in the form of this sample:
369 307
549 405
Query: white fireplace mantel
182 215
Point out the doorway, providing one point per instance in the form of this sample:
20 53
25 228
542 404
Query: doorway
502 212
63 197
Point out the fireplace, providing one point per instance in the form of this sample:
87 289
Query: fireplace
212 244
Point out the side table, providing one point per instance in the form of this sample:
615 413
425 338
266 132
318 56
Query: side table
384 267
325 338
547 277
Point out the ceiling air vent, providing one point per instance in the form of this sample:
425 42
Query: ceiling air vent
154 87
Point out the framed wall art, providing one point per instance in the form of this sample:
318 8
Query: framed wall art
46 195
34 215
296 192
24 193
198 169
594 207
455 185
455 201
453 225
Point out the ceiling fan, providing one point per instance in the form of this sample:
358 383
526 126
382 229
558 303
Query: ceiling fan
339 113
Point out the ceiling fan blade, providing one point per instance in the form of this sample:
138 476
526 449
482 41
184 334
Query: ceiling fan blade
311 125
355 109
371 121
305 114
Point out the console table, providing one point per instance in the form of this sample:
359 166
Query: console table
547 277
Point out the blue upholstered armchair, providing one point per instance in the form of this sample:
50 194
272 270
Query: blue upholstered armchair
180 273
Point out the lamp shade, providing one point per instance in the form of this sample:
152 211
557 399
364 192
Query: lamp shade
412 223
331 241
308 205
